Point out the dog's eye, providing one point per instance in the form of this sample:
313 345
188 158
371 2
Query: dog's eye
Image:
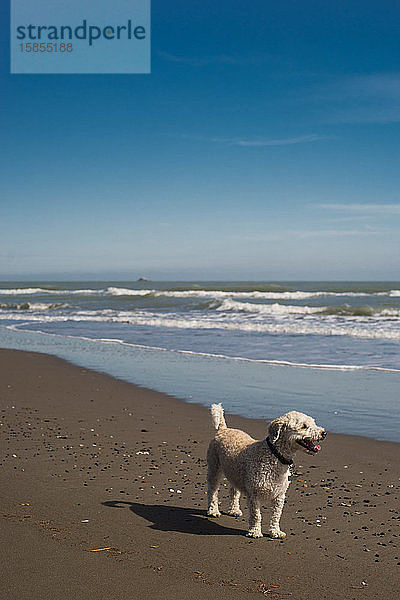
304 425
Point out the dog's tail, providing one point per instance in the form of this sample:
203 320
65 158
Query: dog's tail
217 415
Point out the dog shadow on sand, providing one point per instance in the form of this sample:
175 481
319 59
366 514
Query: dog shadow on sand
174 518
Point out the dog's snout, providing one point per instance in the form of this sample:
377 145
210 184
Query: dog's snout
323 434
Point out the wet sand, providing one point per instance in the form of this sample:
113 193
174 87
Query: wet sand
103 495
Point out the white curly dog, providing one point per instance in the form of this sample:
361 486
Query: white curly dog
259 469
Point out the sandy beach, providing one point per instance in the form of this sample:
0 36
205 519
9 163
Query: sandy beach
103 495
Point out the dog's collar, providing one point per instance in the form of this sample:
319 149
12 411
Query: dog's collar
279 456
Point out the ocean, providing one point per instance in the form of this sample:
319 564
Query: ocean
327 348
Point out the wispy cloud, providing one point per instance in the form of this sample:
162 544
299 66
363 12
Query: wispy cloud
222 59
366 208
259 142
371 98
336 232
378 85
279 235
302 139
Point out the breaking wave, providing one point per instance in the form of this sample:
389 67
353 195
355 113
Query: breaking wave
256 292
344 310
144 318
32 306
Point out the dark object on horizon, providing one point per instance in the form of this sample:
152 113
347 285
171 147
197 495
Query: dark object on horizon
143 279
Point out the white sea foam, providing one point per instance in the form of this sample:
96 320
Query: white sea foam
330 326
110 291
277 309
22 291
40 306
266 309
278 363
115 291
218 294
53 292
283 363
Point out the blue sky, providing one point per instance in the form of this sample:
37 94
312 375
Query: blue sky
264 145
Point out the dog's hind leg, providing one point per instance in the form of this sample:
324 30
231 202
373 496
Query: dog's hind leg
213 479
234 506
254 517
214 476
277 507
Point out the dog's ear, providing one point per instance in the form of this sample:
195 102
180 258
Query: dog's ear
274 430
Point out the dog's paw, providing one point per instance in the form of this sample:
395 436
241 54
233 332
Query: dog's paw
254 533
213 513
277 534
235 513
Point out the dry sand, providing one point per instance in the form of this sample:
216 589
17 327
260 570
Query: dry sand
103 495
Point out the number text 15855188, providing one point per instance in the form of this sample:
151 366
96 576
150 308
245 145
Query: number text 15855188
46 47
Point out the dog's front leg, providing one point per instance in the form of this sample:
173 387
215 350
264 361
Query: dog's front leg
254 517
277 507
234 506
